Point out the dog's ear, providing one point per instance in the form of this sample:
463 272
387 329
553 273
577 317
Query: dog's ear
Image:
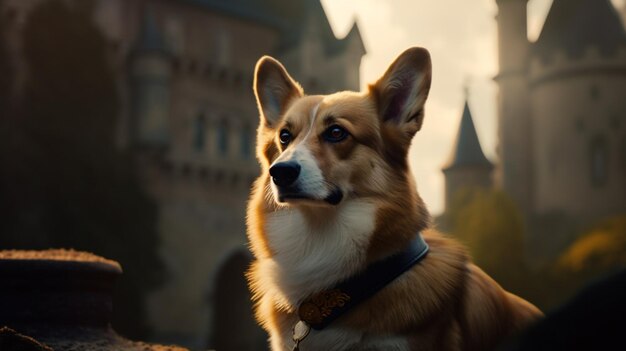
402 91
274 89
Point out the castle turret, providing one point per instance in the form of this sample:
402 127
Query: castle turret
467 167
151 65
577 76
355 51
514 174
318 60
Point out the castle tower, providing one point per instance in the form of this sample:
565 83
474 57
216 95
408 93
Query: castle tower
317 59
467 167
151 71
514 174
577 76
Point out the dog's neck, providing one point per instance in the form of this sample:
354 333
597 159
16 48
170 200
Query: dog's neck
312 253
322 308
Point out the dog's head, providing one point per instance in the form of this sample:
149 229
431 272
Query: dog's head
322 150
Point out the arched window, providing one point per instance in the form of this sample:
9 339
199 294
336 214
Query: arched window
153 106
175 34
246 143
594 92
222 47
238 80
199 133
599 161
222 138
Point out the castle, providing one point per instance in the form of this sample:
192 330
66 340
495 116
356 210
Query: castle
193 119
561 117
184 70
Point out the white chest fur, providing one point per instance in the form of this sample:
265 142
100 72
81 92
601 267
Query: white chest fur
309 257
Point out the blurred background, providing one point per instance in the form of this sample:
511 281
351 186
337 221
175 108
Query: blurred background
127 129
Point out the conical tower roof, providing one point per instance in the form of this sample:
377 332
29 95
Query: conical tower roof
467 151
574 25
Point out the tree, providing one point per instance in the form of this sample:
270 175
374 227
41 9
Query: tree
600 250
491 226
488 222
70 186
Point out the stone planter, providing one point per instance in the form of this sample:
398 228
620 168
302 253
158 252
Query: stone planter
60 300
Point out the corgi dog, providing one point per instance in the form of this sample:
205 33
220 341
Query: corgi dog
344 256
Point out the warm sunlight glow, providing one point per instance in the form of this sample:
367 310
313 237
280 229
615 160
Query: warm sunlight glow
461 36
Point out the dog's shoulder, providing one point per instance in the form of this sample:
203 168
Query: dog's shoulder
465 296
428 291
489 313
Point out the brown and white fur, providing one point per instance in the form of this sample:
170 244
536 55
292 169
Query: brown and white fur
308 241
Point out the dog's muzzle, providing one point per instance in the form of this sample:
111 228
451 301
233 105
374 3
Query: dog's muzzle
285 175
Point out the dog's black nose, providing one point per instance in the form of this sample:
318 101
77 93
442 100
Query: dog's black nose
285 173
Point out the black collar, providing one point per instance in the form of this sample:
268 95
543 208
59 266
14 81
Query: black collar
324 307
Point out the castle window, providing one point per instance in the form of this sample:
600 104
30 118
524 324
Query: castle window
222 47
222 76
203 173
186 170
167 167
192 67
219 177
152 104
237 80
615 122
579 125
199 133
10 14
174 35
594 92
222 138
234 179
246 143
208 71
599 161
176 64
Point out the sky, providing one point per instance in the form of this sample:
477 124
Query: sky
462 39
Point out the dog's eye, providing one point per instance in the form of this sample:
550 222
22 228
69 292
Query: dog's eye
284 137
335 134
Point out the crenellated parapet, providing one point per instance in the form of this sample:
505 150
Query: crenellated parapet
559 65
